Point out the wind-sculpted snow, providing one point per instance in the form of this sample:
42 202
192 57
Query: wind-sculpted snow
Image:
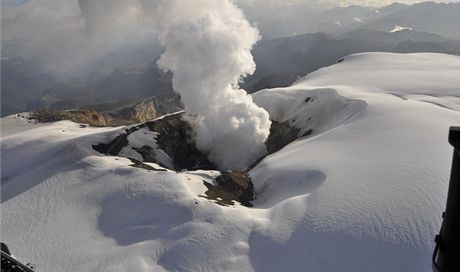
423 74
317 110
363 192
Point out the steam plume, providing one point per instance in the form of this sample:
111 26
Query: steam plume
208 47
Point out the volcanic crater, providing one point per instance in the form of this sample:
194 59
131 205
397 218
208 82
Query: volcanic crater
172 146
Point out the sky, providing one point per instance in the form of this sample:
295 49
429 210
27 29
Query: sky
52 28
327 2
385 2
330 3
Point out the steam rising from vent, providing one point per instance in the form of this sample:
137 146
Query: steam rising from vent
207 48
208 45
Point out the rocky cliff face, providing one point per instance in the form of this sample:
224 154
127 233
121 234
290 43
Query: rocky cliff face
141 111
115 114
176 137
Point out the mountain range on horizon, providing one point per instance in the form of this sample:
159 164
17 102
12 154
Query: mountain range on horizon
330 35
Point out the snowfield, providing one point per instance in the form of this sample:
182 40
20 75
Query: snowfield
363 192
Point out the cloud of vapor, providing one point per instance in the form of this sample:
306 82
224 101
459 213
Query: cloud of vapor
70 36
208 47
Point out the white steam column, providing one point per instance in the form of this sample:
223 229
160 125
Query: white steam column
208 46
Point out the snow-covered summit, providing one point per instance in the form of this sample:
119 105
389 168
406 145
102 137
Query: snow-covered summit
400 28
363 191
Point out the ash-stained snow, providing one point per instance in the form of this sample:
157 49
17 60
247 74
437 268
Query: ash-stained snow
363 192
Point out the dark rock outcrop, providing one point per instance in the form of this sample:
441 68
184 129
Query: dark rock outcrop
147 153
176 138
231 186
114 147
281 134
139 164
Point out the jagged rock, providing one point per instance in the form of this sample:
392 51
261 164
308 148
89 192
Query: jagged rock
281 134
231 186
176 138
139 164
141 111
147 153
114 147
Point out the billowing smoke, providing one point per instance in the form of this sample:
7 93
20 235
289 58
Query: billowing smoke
207 48
208 45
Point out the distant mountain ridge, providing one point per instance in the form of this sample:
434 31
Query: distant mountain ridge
423 27
439 18
281 61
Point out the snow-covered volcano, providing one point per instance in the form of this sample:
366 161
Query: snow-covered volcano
363 190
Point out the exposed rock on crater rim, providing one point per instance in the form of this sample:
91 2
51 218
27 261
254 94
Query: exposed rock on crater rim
175 137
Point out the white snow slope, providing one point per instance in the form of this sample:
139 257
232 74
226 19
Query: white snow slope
364 192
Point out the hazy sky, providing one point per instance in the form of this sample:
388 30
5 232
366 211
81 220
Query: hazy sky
339 2
54 29
384 2
328 2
